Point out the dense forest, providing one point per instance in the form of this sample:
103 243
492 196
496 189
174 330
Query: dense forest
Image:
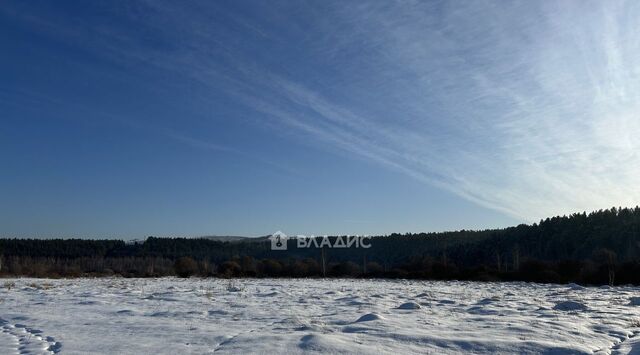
601 247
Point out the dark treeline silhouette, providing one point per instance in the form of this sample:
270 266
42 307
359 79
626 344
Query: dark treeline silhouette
601 247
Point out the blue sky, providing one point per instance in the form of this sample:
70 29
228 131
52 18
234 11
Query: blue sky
134 118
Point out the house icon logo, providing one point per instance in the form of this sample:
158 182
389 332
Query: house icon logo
278 241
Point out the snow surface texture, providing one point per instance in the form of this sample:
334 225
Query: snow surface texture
199 316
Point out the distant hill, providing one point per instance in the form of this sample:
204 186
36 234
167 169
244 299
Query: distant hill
225 238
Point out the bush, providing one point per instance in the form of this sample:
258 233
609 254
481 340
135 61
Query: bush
230 269
346 268
271 268
185 267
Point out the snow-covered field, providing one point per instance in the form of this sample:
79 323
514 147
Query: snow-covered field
181 316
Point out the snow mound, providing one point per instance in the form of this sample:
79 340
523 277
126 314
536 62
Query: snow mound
327 344
488 300
569 306
573 286
270 294
127 312
369 317
634 301
409 305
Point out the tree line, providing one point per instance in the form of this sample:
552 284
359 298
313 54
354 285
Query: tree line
602 247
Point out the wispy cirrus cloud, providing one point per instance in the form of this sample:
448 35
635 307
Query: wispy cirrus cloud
531 109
